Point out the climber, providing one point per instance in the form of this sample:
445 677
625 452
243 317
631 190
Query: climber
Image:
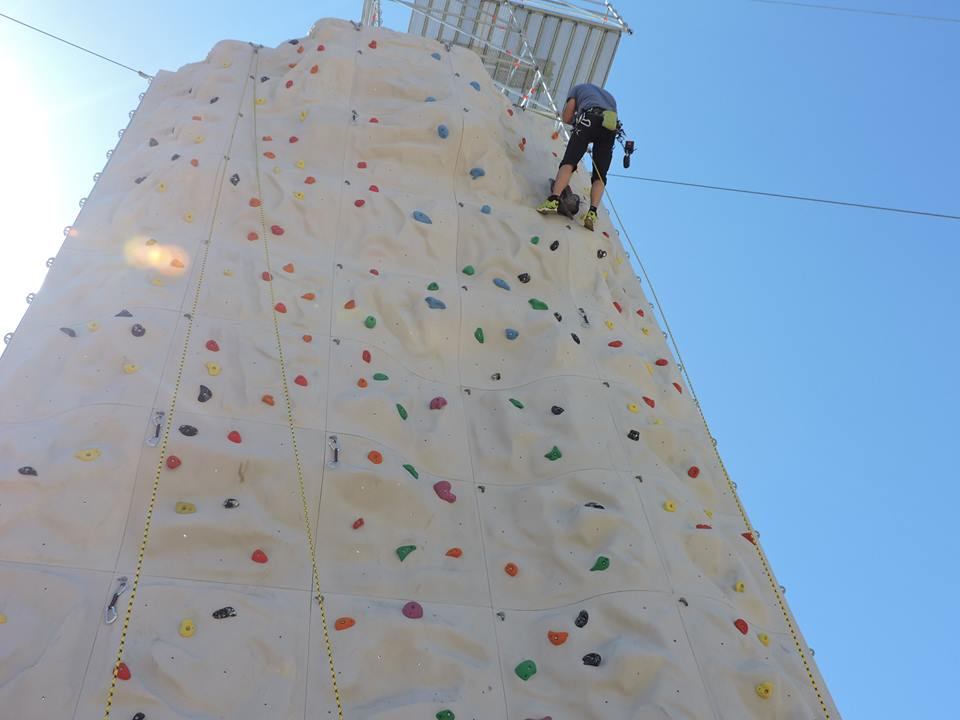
592 111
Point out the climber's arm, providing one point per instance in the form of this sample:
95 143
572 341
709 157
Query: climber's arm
568 110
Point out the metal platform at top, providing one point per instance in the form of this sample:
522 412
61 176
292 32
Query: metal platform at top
535 50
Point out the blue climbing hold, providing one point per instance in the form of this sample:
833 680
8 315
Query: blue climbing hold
422 217
430 98
475 85
435 304
501 283
477 172
486 209
511 334
443 131
435 56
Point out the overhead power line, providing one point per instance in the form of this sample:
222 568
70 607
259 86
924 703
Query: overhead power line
785 196
861 11
141 73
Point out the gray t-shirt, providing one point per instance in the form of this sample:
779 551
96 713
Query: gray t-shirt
588 95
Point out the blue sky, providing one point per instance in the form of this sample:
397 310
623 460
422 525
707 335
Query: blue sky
820 339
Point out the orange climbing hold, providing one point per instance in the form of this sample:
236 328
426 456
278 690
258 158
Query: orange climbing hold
556 637
255 202
615 343
362 382
454 552
195 162
344 623
270 155
349 305
309 296
267 138
288 268
314 69
251 236
308 338
511 569
375 457
268 400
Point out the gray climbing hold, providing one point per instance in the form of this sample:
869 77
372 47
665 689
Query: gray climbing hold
435 56
27 470
435 304
485 209
124 313
556 410
511 334
601 254
138 330
477 172
422 217
174 157
430 98
475 85
139 716
575 338
443 131
188 430
153 142
68 331
501 283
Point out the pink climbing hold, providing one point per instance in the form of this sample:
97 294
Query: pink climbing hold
362 164
374 188
444 491
359 203
374 271
372 45
413 610
265 276
280 307
741 625
259 556
358 523
438 403
366 356
288 84
374 120
694 471
301 381
276 230
234 437
212 346
294 138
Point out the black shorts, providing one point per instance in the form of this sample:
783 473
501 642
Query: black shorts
602 140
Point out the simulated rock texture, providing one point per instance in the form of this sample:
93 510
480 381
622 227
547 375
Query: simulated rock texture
521 515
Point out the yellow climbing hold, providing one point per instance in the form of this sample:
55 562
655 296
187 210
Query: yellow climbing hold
188 216
93 326
708 513
298 195
87 455
303 115
740 586
130 368
151 241
3 619
185 508
157 281
301 164
618 261
609 324
764 639
649 368
227 64
187 628
633 407
213 369
276 169
228 273
669 506
657 421
161 187
198 139
764 689
261 101
605 274
645 331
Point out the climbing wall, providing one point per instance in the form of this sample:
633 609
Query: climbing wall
314 417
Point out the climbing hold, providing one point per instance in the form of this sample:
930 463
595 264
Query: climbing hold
537 304
370 321
524 277
602 563
27 470
309 296
93 326
749 536
592 659
212 346
526 670
555 244
478 334
435 56
188 430
678 388
669 506
401 411
443 131
185 508
124 313
344 623
443 490
435 304
511 569
422 217
412 470
516 403
375 457
130 368
454 552
301 381
704 526
739 586
741 625
486 209
633 407
138 330
651 403
662 363
634 435
267 400
234 437
764 639
231 503
235 179
501 283
413 610
433 287
205 393
511 334
87 455
594 505
224 613
765 689
307 338
554 454
694 471
575 338
259 556
359 203
276 230
173 462
187 628
615 343
477 172
357 524
445 715
280 307
380 377
121 672
557 637
582 618
438 403
469 270
475 85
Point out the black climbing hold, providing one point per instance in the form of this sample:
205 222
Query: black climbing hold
633 435
601 254
501 615
264 78
138 330
683 601
153 142
139 716
592 659
188 430
205 394
594 505
140 179
27 470
175 156
558 316
235 179
68 331
224 612
524 277
606 384
231 503
575 338
582 619
555 244
556 410
482 488
124 313
214 99
293 42
495 376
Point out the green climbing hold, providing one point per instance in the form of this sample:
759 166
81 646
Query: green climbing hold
405 550
380 376
602 563
535 240
554 454
469 270
433 287
526 670
412 470
446 715
537 304
370 322
516 403
402 410
478 334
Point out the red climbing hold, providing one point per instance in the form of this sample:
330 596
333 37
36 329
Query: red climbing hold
617 306
661 362
444 491
615 343
121 672
173 462
704 526
372 45
454 552
301 381
259 556
314 69
359 203
649 401
374 120
344 623
212 346
251 236
309 296
320 47
288 268
640 312
349 304
310 180
255 202
741 625
375 457
366 356
195 162
294 138
234 437
605 233
362 164
267 138
749 536
267 400
267 277
276 230
679 389
557 637
511 569
358 523
280 307
269 155
362 383
374 271
694 471
374 188
510 112
288 84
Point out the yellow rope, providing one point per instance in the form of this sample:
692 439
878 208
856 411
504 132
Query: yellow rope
144 539
293 436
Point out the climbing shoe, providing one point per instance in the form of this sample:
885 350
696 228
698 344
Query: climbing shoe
589 219
548 207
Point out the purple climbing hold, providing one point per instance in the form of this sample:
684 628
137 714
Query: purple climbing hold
438 403
413 610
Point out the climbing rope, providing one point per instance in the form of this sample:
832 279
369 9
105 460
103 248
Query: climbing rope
145 537
311 544
733 488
